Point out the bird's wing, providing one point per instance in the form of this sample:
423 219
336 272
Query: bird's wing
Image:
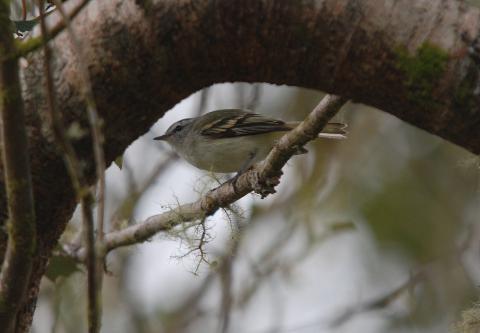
234 124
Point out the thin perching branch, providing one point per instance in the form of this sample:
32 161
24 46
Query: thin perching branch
80 185
258 179
99 158
94 121
24 10
17 265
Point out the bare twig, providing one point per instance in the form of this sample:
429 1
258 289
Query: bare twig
100 166
256 179
95 122
382 301
204 95
71 159
125 208
189 309
421 274
268 266
196 242
255 96
17 264
225 272
94 301
80 185
135 191
24 10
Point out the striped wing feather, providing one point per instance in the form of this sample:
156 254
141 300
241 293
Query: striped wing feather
247 123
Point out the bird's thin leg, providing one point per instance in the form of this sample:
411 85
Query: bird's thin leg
246 165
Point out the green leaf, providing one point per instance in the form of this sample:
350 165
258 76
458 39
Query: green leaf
61 266
119 161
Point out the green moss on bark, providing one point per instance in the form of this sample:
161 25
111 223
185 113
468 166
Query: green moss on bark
423 71
24 46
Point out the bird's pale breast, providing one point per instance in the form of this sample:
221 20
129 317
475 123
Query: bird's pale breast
229 154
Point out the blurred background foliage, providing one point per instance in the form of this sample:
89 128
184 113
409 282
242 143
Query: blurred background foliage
366 234
475 3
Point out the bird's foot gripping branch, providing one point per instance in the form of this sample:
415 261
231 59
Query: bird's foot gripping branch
265 187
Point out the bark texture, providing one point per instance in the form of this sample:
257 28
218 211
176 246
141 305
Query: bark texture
407 58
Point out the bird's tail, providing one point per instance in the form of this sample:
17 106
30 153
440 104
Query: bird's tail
330 131
334 131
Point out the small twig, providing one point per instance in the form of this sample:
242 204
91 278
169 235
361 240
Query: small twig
268 266
94 120
24 10
94 301
256 179
188 310
136 191
196 242
17 265
80 185
225 272
204 95
382 301
419 276
255 96
100 165
201 244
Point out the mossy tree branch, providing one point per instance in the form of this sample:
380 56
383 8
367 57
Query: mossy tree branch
17 265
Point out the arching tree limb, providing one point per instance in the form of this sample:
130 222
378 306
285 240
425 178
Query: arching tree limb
409 59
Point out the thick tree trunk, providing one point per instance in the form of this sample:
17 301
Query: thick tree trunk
406 58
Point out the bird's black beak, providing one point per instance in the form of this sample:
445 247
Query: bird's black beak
162 137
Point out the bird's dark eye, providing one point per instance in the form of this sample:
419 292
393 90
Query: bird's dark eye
177 128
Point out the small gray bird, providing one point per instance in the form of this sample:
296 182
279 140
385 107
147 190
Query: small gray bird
232 140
